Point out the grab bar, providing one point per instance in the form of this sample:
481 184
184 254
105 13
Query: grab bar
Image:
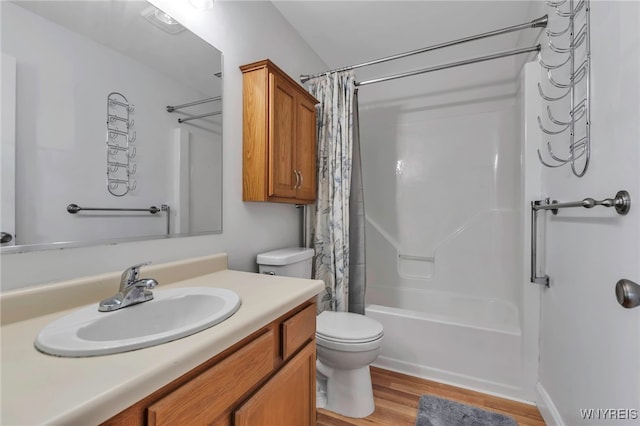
621 202
534 243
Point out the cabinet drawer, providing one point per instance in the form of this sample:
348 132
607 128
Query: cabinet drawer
297 330
204 398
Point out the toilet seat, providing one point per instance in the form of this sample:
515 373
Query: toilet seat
349 346
348 332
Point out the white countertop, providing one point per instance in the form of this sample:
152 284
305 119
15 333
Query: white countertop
38 388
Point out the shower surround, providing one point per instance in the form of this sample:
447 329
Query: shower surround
443 179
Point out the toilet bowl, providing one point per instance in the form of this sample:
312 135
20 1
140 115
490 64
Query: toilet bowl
346 343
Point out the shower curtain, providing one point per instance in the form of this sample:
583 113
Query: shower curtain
357 272
330 222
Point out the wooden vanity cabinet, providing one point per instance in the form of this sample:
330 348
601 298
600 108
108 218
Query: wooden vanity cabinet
267 378
279 137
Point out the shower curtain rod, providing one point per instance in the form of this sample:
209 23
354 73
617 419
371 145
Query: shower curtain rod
172 108
536 23
451 65
195 117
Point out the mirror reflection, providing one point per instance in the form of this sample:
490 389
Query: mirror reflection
108 105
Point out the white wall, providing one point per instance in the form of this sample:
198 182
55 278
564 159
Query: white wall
589 346
61 156
8 145
244 32
530 189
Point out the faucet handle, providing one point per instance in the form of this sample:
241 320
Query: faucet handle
130 275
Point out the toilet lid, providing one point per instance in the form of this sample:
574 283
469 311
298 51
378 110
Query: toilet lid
347 327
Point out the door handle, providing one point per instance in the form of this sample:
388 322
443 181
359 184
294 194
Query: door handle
5 237
628 293
298 178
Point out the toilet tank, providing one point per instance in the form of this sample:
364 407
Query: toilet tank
287 262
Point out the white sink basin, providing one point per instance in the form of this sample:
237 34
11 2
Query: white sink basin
171 315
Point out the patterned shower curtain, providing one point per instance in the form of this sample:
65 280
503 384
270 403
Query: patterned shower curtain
357 258
330 221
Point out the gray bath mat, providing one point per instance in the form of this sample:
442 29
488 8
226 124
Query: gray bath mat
434 411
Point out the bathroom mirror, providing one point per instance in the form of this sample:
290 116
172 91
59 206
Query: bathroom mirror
86 87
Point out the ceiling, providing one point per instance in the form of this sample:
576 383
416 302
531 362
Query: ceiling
349 32
118 24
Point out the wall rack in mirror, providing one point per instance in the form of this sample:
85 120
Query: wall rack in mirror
120 149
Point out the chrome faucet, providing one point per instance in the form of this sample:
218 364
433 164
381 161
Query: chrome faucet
132 290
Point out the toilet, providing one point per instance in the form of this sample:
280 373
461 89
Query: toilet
346 342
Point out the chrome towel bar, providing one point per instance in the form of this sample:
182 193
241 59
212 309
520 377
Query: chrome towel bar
621 202
74 208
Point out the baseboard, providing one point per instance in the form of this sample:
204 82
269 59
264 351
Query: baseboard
547 408
462 381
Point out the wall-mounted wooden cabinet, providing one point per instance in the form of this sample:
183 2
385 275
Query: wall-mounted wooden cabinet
279 137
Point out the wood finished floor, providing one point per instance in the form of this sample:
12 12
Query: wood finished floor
396 396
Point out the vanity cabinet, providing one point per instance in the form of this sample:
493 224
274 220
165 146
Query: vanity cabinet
279 137
267 378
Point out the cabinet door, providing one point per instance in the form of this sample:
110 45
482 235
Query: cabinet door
282 133
207 396
306 149
288 399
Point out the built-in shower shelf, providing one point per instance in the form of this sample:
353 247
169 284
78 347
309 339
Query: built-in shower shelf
416 266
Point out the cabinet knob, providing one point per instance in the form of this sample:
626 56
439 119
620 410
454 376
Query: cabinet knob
301 179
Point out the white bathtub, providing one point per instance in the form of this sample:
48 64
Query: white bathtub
465 341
